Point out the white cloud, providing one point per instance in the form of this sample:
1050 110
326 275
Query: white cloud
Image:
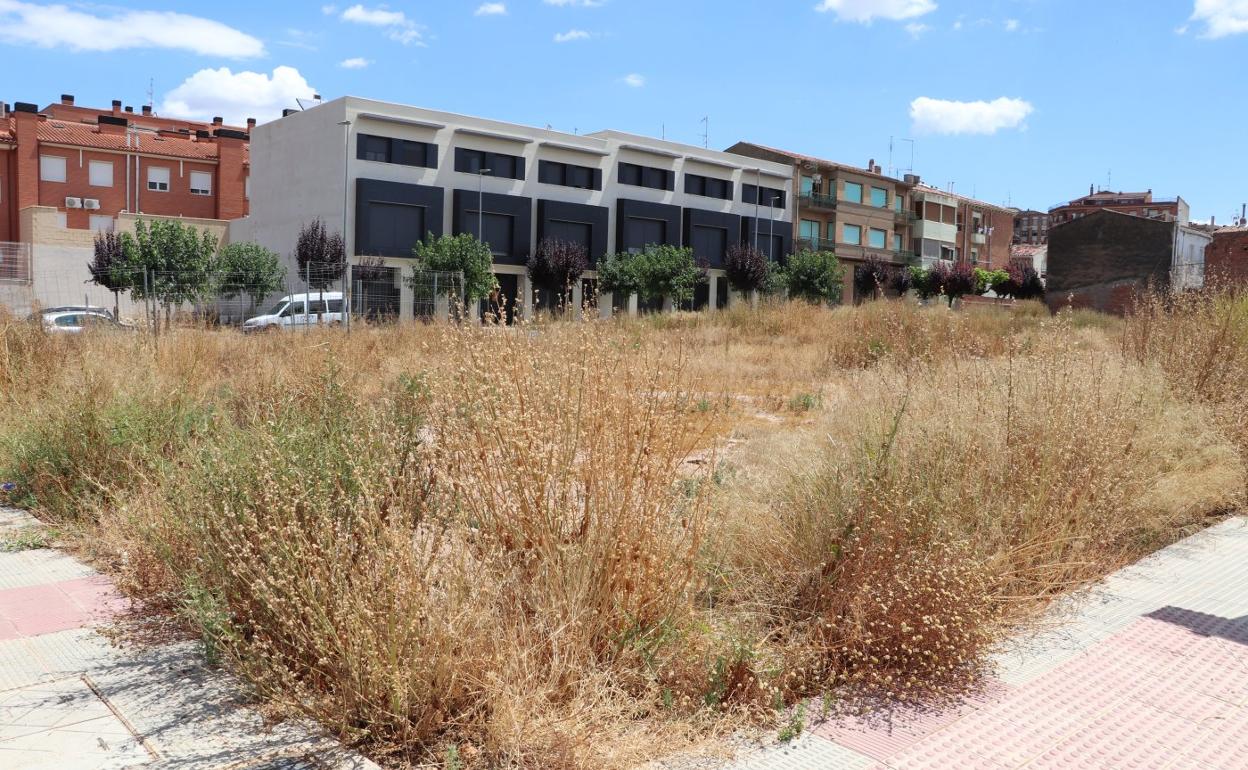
941 116
957 25
237 96
329 10
1220 17
354 63
633 80
400 28
865 11
1011 25
916 30
576 3
52 26
490 9
570 35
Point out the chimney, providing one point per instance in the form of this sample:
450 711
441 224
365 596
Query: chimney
1091 190
251 123
147 109
871 164
218 121
129 108
4 110
116 106
287 112
25 160
1213 221
67 99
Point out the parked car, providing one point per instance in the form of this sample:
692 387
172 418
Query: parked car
66 308
300 311
74 321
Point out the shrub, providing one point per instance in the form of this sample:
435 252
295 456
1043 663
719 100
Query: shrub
619 273
461 253
958 282
320 255
248 268
814 276
557 266
668 271
900 279
870 277
748 268
108 266
924 281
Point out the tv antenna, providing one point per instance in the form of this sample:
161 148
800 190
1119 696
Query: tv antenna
706 132
151 93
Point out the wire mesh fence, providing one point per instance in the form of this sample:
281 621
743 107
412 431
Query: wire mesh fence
15 263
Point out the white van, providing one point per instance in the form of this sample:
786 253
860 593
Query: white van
300 311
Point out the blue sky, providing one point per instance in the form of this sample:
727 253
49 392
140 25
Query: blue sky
1020 101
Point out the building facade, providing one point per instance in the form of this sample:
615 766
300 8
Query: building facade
91 165
955 228
389 175
1105 259
1140 204
1226 258
1031 227
857 213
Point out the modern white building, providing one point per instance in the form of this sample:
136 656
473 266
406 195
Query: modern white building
388 175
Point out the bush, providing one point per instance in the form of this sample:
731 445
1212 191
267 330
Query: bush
870 278
958 282
461 253
557 266
108 266
320 255
900 279
248 268
814 276
620 274
748 268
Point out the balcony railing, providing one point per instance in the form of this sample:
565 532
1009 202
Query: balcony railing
816 244
817 201
15 263
904 217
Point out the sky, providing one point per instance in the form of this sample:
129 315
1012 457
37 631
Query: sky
1018 102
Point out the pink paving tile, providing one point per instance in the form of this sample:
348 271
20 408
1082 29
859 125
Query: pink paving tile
45 609
881 734
989 740
1132 738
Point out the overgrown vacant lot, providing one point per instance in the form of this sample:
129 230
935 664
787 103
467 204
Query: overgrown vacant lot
585 544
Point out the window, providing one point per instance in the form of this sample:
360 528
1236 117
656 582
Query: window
335 305
879 197
51 168
201 183
101 223
499 164
100 173
974 256
247 188
158 179
853 192
832 232
385 149
877 239
808 184
853 235
62 221
707 186
646 176
897 202
569 175
808 229
896 242
771 196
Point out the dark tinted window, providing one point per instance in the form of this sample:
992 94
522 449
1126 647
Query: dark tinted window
394 228
385 149
373 148
569 175
709 243
630 173
499 164
749 194
710 187
573 232
645 176
335 306
639 233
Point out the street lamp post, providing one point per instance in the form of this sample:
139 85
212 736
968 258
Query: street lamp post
481 172
771 224
346 197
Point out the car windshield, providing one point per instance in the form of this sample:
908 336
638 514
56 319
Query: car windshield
277 309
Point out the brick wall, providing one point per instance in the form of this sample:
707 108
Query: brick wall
1226 258
1102 260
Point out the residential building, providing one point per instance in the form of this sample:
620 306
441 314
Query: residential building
1103 260
1035 256
1140 204
1226 258
1031 227
93 164
389 175
955 228
855 212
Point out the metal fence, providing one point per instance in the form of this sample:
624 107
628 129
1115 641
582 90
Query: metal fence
14 263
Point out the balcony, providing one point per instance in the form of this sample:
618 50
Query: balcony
816 244
817 201
904 217
979 238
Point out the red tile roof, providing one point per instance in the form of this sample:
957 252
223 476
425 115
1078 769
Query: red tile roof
87 135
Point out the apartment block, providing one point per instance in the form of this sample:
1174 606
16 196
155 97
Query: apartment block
1031 227
91 165
955 228
855 212
1140 204
389 175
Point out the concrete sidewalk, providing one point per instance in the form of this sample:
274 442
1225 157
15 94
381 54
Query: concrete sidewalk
1147 669
70 699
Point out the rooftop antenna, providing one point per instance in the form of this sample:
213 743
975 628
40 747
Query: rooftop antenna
151 93
663 131
891 171
1109 179
911 141
706 131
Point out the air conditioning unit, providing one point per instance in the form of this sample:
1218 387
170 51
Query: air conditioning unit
73 203
90 203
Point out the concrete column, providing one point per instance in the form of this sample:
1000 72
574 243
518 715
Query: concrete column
753 298
526 297
441 306
577 299
669 305
406 299
605 300
632 304
712 292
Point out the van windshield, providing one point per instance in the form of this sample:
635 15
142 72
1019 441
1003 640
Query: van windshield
276 309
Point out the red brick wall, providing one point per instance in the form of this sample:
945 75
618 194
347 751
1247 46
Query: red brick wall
8 197
1226 258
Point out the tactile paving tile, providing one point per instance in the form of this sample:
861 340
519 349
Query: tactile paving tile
807 753
29 568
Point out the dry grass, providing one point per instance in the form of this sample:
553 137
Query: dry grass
579 545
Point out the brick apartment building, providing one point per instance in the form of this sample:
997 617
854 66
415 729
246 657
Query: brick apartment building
1031 227
955 228
1226 258
91 165
1140 204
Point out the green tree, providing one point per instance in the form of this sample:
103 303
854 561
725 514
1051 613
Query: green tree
923 282
177 258
248 268
989 279
461 253
619 274
815 276
668 271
